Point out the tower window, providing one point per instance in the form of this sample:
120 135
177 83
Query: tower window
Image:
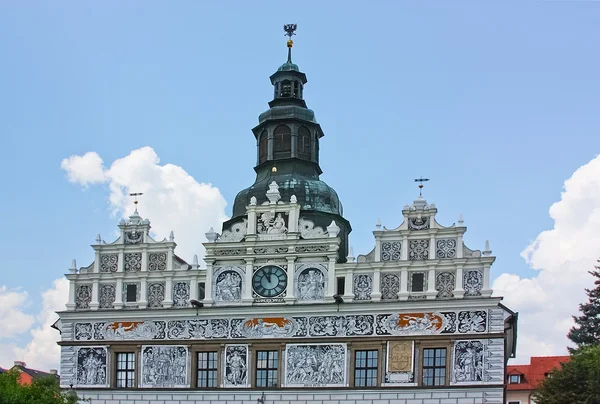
263 147
304 145
286 89
282 142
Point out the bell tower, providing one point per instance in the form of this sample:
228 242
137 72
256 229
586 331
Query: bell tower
287 142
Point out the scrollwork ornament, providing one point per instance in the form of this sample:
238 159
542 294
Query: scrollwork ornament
133 262
446 248
157 261
473 282
390 287
107 296
391 251
418 249
156 295
109 262
444 284
83 296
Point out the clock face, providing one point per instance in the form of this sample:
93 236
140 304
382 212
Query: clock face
269 281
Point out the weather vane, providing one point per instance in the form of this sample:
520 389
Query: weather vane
290 29
421 181
135 201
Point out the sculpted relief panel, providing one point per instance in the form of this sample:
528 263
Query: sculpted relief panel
164 366
428 323
322 365
311 283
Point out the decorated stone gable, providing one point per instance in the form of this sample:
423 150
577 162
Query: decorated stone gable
282 308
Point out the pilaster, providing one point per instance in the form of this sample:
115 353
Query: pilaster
143 302
290 297
208 293
71 301
349 282
247 292
118 304
376 292
459 291
331 281
94 304
168 302
403 294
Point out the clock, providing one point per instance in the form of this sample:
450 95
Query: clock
269 281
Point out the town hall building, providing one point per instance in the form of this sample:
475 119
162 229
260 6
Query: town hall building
282 312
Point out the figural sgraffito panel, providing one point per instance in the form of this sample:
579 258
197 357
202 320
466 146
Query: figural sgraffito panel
227 284
91 367
308 365
164 366
311 282
236 366
469 361
268 327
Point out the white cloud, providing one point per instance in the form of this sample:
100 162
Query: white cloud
42 352
14 321
172 200
85 170
563 256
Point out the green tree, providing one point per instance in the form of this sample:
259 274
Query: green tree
44 390
586 331
577 382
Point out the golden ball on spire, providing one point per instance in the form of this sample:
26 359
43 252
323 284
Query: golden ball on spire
290 43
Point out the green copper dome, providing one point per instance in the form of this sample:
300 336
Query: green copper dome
288 66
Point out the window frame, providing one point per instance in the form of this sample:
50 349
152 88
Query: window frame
366 368
253 367
514 375
355 347
419 350
114 364
194 351
208 369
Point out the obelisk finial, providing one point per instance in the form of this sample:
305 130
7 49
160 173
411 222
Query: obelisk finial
290 30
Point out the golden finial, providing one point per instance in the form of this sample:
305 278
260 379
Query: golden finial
290 43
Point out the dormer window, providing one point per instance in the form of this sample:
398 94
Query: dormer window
514 379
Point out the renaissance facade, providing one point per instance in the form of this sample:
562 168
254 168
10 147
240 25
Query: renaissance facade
283 312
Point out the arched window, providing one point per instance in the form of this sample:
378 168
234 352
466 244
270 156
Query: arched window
282 142
263 147
304 146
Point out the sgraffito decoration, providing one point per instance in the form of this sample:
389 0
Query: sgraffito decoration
419 323
363 286
236 366
322 365
91 366
164 366
469 361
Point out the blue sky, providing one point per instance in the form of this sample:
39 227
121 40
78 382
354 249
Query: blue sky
496 102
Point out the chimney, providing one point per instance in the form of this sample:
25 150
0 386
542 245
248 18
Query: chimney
53 371
19 363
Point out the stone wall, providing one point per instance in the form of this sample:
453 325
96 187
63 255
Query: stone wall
488 395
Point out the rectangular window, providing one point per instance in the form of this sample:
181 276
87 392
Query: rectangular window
341 285
417 282
207 369
131 293
201 291
125 369
514 379
434 366
266 368
365 368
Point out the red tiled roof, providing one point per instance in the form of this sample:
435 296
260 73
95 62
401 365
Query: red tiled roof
535 372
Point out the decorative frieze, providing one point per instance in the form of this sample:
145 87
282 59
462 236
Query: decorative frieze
109 262
311 365
402 324
271 250
418 249
164 366
363 286
133 262
229 251
391 251
312 248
